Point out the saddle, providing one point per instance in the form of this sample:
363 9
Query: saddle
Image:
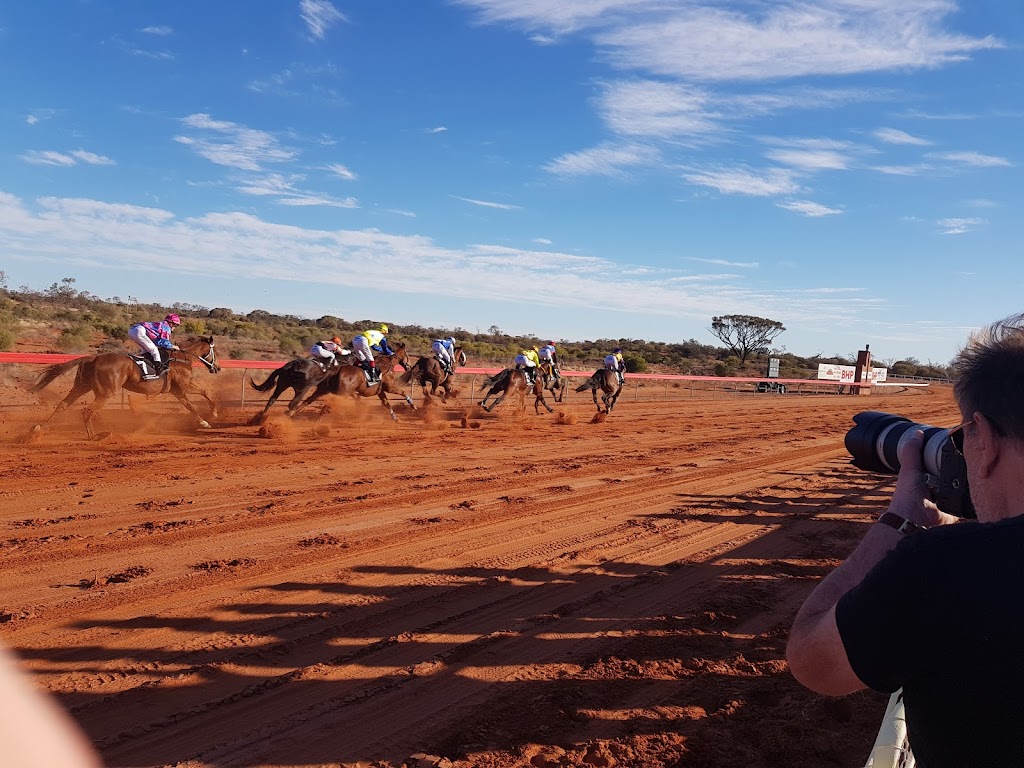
146 367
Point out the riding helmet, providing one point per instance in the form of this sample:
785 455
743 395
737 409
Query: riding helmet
336 340
383 328
173 319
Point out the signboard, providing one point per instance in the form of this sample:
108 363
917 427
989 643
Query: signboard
845 373
773 367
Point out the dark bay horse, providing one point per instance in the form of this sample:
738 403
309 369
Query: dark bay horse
300 375
105 374
556 386
512 381
428 370
351 380
608 382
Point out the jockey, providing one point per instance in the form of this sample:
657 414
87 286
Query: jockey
326 352
528 360
375 340
614 362
445 351
153 337
548 355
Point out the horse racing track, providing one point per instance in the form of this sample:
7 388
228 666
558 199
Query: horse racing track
489 589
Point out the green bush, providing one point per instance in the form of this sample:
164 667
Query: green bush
7 339
74 339
118 332
194 327
635 363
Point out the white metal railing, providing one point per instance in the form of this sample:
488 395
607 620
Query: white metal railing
892 746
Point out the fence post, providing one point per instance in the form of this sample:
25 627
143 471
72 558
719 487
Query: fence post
241 397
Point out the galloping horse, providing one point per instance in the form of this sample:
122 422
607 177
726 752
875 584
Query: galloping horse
512 381
556 386
351 380
300 375
428 370
109 372
608 382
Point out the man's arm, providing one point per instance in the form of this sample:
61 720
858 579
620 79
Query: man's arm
816 653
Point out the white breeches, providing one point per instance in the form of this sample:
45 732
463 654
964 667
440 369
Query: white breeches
441 351
361 347
138 334
522 361
611 362
317 351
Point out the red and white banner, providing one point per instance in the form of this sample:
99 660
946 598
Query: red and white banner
846 373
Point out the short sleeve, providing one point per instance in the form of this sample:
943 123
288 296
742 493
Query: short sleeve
882 620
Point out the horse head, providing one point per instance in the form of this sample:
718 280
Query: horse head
202 347
460 357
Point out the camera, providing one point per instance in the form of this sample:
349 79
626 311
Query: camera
874 444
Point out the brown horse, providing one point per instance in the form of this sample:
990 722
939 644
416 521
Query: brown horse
555 385
513 381
351 380
109 372
428 370
608 382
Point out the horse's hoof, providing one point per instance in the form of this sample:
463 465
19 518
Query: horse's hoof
204 424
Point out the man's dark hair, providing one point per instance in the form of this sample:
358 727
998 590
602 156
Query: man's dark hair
990 375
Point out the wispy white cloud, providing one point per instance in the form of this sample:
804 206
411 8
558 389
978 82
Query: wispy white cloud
319 16
488 204
973 159
50 157
650 108
134 50
437 129
726 263
160 31
541 241
286 192
896 136
98 235
808 208
768 182
342 172
809 160
958 226
243 148
36 116
982 203
400 212
901 170
606 160
302 81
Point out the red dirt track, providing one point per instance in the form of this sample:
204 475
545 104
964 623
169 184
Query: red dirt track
494 589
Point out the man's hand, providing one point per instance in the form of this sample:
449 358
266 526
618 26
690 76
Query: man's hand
911 498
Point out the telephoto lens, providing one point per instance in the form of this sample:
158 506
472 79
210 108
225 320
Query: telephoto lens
874 444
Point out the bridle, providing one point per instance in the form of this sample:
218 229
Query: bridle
211 363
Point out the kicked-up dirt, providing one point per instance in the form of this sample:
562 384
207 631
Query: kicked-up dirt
492 590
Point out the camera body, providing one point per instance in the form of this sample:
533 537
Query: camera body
874 444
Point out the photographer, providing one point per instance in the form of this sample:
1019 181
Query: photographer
934 608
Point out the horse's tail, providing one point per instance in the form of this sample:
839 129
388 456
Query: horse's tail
54 371
412 370
490 381
271 380
591 383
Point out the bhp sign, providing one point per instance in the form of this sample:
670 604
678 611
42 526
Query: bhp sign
845 373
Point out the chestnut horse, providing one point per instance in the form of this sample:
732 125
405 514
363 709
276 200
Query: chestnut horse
105 374
351 380
608 382
512 381
300 375
428 370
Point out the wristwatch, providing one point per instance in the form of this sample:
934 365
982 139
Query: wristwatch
901 524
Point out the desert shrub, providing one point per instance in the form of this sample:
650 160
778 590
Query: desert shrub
635 363
721 369
238 353
74 339
118 332
194 327
289 345
7 339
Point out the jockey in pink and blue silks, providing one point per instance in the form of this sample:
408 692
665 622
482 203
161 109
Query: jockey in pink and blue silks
153 337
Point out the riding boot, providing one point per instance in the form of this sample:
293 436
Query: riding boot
158 364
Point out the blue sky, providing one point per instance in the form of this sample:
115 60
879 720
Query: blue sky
577 170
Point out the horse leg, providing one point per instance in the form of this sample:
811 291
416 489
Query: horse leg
300 394
596 404
179 393
196 389
496 403
89 415
384 401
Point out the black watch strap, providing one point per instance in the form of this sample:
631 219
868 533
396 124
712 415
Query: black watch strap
901 524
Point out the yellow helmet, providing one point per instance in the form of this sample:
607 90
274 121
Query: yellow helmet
383 328
536 350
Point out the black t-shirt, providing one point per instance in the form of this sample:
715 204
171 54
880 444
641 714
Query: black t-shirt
942 616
